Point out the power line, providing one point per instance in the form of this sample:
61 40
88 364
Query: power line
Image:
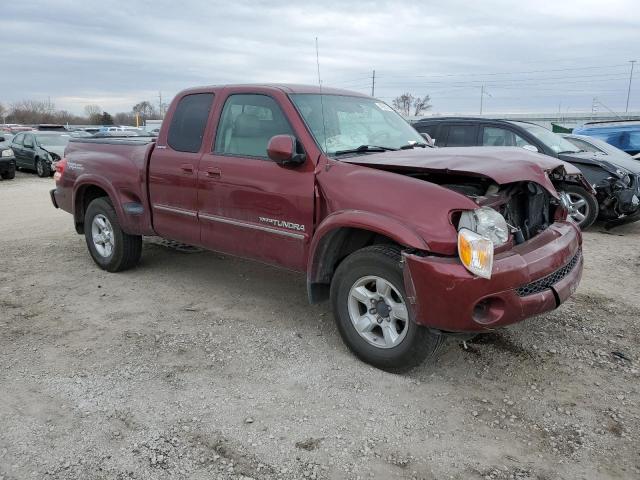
629 90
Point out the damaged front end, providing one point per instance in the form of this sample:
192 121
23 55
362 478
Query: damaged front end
619 199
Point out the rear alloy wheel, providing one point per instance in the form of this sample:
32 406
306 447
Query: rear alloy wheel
371 311
110 247
582 206
42 168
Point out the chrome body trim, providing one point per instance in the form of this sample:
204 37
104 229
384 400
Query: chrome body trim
179 211
213 218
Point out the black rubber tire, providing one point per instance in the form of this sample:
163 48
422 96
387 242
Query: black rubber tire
9 174
384 261
127 249
46 168
592 204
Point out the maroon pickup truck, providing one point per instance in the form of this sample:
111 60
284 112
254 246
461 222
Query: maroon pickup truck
408 242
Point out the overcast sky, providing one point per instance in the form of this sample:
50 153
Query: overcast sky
531 56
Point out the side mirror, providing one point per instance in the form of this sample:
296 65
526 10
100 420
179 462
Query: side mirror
430 141
282 150
531 148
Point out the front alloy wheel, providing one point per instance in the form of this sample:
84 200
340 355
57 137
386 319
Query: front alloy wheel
378 312
370 307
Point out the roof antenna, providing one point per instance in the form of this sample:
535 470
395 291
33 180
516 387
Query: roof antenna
324 128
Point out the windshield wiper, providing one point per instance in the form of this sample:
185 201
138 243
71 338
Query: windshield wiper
365 148
570 151
409 146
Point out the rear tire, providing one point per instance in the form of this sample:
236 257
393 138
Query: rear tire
584 209
364 274
43 169
111 248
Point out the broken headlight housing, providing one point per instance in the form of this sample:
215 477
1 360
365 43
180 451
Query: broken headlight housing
487 223
479 232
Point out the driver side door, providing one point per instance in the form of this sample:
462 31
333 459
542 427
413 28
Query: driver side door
248 205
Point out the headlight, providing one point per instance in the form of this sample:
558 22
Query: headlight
625 179
487 223
475 252
7 153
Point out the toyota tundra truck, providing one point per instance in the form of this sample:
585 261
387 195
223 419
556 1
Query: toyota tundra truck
408 242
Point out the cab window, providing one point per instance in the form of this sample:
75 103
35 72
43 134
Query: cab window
247 123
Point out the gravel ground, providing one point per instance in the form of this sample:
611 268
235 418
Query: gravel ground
199 366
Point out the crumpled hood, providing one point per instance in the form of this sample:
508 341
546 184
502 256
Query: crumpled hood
609 162
58 150
501 164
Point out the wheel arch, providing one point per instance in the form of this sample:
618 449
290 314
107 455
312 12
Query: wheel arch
87 191
343 233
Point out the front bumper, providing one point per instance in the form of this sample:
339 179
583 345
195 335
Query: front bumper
7 164
531 278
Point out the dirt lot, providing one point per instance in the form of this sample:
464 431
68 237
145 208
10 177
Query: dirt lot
200 366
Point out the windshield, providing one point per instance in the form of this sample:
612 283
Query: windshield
351 122
550 139
53 140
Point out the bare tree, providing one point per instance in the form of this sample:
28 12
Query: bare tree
406 102
32 112
124 118
3 113
421 105
145 110
93 113
92 109
403 103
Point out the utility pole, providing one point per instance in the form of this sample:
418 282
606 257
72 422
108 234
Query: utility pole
160 104
626 110
481 98
373 84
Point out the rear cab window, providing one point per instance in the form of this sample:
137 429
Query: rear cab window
189 122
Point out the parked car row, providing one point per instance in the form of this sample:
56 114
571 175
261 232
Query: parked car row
614 176
38 149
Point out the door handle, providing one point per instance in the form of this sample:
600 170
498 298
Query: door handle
213 172
187 168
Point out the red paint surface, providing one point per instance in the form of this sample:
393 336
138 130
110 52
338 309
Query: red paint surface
321 195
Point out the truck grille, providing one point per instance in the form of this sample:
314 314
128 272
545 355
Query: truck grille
550 280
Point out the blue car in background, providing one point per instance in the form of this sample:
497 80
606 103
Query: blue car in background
622 134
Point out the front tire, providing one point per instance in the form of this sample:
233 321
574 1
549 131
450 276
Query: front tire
43 169
111 248
9 174
372 314
583 207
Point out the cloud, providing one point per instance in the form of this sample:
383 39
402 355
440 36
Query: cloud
121 52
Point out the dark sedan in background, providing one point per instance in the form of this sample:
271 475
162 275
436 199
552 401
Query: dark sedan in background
38 150
7 158
616 181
